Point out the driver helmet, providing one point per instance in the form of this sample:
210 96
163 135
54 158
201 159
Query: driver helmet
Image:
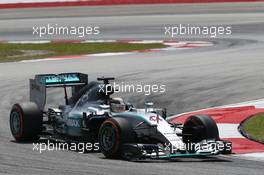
117 105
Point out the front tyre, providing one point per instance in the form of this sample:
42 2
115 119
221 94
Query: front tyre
113 133
25 122
199 127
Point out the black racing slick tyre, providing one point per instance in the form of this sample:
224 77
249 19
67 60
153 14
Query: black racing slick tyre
199 127
113 133
25 122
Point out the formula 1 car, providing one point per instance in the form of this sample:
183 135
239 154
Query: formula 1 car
123 131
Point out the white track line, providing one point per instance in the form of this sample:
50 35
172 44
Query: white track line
109 54
256 103
29 42
146 42
251 156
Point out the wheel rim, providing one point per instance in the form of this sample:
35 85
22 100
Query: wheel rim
108 138
15 123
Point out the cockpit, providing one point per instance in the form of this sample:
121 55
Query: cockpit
117 105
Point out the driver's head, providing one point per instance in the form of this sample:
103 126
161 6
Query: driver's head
117 105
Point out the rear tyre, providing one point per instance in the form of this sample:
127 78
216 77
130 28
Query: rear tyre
113 133
25 122
199 127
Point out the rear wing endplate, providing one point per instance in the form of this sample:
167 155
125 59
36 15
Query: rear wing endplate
41 82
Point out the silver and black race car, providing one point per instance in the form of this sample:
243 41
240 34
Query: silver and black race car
123 131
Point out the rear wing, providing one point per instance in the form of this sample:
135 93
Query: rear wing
39 85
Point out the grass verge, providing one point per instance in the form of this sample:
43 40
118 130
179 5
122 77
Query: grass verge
254 127
16 52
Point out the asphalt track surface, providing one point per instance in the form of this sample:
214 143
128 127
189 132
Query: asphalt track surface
229 72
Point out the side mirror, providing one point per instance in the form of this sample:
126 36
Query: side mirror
129 106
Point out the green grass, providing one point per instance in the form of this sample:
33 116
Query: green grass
254 127
17 52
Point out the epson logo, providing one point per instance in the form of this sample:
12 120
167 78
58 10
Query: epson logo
73 123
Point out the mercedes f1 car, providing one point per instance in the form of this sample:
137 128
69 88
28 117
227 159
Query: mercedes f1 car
123 131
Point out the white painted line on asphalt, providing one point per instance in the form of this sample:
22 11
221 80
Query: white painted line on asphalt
146 42
256 103
99 41
29 42
109 54
39 60
251 156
